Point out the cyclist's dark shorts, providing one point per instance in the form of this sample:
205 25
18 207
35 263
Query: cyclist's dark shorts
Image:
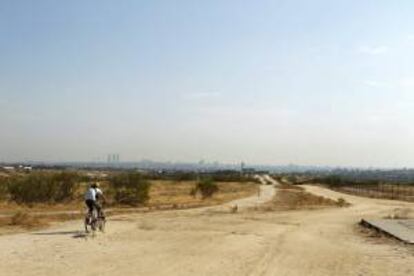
92 204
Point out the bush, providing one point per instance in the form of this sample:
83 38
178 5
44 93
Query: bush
342 202
207 188
230 176
130 188
43 187
183 176
65 186
291 179
4 191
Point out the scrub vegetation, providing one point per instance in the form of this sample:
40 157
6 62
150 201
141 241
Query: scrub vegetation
30 199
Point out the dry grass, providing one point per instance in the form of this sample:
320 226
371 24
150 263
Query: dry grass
22 219
3 174
291 197
164 195
178 194
12 207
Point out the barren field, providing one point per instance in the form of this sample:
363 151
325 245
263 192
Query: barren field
215 241
164 195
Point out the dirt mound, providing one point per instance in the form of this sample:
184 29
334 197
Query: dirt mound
291 197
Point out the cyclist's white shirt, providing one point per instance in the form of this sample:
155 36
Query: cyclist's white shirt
92 192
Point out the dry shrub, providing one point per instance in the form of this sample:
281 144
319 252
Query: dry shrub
234 209
206 186
130 189
42 187
341 202
4 192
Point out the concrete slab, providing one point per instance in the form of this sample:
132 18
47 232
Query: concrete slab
401 229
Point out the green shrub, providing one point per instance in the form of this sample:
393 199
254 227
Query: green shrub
183 176
4 191
291 179
65 186
43 187
130 189
207 187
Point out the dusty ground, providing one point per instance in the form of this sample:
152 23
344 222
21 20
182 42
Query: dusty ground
213 241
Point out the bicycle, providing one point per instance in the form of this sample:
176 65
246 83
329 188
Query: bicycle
94 221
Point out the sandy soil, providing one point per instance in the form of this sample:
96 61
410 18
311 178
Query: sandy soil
214 241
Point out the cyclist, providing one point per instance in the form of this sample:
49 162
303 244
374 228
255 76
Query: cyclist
92 197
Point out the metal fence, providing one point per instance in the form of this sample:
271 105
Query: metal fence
403 192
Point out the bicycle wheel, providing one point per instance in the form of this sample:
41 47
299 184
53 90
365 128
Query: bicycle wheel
102 223
94 220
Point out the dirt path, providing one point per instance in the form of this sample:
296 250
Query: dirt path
265 194
212 241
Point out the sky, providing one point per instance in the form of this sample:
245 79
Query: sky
268 82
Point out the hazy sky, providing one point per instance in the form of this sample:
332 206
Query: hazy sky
271 82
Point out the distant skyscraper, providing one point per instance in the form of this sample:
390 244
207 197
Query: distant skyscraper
113 158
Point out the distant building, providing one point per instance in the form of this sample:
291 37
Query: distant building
113 158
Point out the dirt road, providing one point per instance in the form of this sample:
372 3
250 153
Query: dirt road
212 241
